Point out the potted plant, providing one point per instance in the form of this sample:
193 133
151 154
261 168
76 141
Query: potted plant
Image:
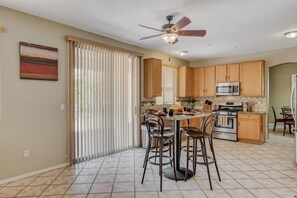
192 103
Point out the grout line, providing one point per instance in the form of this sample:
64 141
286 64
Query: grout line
95 176
74 178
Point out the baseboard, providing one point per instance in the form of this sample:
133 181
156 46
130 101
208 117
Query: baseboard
33 173
278 124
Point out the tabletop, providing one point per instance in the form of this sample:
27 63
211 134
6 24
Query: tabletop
185 117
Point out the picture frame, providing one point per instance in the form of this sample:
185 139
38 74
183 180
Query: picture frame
38 62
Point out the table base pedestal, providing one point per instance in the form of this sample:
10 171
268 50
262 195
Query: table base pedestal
180 174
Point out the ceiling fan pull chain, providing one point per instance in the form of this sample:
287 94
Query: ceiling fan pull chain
169 52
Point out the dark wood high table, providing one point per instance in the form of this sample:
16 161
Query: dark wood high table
174 122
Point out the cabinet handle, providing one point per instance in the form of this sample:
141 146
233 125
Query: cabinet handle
206 90
226 77
229 77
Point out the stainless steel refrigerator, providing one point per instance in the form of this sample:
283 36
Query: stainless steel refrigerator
293 109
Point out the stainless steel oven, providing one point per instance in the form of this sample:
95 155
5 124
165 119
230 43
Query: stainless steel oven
226 125
227 89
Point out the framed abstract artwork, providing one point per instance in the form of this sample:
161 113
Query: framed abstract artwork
38 62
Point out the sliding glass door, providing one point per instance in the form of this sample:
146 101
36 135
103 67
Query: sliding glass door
105 98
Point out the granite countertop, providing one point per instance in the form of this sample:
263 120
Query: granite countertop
252 112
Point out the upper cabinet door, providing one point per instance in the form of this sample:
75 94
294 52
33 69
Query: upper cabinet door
221 73
157 77
233 73
152 77
199 82
185 81
210 81
252 78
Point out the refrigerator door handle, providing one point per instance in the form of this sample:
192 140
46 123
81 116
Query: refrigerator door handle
292 101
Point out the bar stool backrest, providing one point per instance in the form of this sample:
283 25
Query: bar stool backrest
153 121
208 123
188 120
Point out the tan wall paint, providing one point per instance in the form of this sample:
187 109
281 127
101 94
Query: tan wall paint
280 87
31 118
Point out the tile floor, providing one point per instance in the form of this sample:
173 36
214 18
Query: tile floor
247 170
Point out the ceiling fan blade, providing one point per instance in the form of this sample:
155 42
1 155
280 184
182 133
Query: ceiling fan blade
151 36
180 24
176 40
192 33
150 28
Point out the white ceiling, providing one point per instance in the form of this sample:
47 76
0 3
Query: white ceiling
233 26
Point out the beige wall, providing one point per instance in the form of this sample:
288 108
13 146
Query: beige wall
31 116
280 87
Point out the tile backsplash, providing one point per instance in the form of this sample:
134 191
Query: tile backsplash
259 102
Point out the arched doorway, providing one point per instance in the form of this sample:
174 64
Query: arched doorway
279 94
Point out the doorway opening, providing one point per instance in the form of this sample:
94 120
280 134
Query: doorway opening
280 88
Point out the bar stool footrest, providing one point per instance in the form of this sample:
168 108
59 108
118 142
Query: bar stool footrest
158 156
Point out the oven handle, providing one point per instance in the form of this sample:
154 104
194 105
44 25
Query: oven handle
228 116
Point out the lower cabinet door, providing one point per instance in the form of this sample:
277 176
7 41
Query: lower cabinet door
249 129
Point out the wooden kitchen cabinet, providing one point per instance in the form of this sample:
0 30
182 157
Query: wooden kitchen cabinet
204 80
185 81
252 78
227 73
199 82
233 72
250 128
152 77
210 81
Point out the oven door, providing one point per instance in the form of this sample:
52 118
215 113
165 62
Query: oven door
226 123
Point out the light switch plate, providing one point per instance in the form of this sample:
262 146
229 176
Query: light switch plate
62 107
26 153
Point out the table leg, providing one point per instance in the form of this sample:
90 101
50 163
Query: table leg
180 171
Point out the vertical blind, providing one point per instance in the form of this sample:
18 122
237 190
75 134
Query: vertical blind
105 98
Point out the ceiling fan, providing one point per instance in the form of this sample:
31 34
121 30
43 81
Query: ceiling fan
170 32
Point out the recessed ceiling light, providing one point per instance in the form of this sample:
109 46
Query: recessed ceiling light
183 53
291 34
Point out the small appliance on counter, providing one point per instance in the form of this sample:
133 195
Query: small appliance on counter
226 125
227 89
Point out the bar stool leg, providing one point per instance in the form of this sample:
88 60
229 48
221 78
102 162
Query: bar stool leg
213 156
187 163
146 152
156 152
202 150
161 162
146 158
169 141
173 161
206 160
194 155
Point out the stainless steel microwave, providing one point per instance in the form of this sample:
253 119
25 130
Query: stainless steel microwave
227 89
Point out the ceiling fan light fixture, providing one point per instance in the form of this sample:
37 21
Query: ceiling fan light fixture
169 38
291 34
183 53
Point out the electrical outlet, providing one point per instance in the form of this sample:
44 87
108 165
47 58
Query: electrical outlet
66 156
62 107
26 153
